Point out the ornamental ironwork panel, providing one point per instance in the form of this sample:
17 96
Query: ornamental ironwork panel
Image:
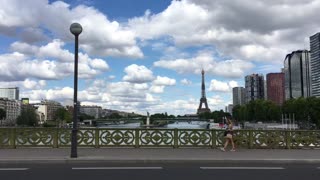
305 139
220 137
4 137
116 137
86 137
194 137
64 137
268 139
241 138
35 137
156 137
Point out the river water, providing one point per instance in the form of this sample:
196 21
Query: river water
178 125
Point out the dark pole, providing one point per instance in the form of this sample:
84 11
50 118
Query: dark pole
75 29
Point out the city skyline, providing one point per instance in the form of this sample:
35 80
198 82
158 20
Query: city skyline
147 55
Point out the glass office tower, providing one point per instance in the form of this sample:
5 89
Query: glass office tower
297 74
254 87
315 64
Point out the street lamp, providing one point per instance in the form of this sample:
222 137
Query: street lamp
75 29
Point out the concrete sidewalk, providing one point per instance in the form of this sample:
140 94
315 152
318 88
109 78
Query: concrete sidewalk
157 154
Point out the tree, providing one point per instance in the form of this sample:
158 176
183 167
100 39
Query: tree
112 116
62 115
205 115
28 117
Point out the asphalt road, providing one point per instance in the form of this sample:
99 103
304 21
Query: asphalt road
160 171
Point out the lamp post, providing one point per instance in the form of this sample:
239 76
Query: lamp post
75 29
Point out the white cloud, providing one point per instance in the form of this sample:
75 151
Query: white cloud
160 83
216 103
24 85
239 29
157 89
229 68
164 81
47 62
30 84
137 74
100 36
186 82
220 86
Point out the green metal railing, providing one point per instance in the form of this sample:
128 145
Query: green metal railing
176 138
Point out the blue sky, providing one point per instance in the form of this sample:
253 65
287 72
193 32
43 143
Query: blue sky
143 55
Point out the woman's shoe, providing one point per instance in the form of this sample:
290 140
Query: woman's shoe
222 149
233 150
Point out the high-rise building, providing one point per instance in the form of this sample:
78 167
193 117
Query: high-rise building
229 108
238 95
275 87
10 93
254 87
315 64
297 74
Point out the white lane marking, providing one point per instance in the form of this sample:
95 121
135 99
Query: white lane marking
13 169
114 168
262 168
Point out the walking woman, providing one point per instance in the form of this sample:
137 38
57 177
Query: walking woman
228 135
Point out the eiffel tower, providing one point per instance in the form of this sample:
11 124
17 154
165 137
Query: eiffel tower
203 99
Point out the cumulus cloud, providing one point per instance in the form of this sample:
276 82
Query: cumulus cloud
259 31
186 82
220 86
137 74
46 62
164 81
25 85
233 68
160 83
109 39
157 89
216 102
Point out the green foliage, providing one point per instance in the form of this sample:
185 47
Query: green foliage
258 110
114 116
62 115
218 116
28 117
306 111
159 116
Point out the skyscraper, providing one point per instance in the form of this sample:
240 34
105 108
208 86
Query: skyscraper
315 64
10 93
238 96
275 87
297 74
254 87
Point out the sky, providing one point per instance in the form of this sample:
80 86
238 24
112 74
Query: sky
143 55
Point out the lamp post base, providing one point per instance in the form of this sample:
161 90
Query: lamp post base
74 144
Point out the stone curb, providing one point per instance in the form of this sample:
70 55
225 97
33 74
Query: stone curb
97 160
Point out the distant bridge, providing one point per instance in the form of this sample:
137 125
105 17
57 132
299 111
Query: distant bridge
184 119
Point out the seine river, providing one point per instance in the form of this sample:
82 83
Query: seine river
179 125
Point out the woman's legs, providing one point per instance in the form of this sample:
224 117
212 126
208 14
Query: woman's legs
226 143
232 143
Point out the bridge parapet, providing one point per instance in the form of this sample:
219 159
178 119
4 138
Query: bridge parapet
149 137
